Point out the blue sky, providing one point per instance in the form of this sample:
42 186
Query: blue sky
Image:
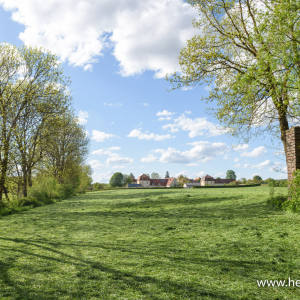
117 54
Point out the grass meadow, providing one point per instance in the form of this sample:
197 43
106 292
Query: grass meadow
151 244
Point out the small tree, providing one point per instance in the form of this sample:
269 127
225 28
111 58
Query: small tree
230 175
132 176
257 179
154 175
167 175
116 180
182 180
218 178
127 179
243 180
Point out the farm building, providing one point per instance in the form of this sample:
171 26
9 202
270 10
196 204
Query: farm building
209 180
146 181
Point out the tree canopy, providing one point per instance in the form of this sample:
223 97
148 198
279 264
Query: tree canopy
116 180
154 175
230 175
248 53
167 175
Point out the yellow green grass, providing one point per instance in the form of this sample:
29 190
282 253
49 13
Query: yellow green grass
151 244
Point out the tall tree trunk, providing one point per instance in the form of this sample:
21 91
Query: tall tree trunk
29 177
25 180
4 164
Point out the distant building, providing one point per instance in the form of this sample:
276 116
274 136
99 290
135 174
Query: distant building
146 181
190 185
209 180
133 185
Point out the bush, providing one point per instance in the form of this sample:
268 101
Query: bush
235 183
47 189
278 201
293 201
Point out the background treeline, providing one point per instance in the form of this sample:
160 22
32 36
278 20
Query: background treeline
42 146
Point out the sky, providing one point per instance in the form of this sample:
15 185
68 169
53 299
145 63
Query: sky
117 53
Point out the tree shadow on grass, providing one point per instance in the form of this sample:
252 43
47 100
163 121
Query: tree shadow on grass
122 279
181 208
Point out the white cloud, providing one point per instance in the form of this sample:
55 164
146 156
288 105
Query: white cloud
220 174
226 156
95 164
165 113
116 104
257 152
188 112
82 117
236 159
149 158
202 152
145 136
114 148
240 147
106 151
145 35
264 164
118 159
102 177
190 174
196 127
100 136
187 88
146 104
163 119
237 166
193 165
118 167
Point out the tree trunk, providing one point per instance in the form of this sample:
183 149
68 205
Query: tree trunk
4 164
29 177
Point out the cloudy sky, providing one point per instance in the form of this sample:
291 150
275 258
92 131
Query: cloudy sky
117 53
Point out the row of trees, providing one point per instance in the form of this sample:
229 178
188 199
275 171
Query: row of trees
39 133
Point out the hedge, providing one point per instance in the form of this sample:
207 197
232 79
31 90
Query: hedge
223 186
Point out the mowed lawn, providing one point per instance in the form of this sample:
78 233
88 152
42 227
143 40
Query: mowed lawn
151 244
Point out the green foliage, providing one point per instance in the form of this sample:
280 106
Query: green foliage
218 178
154 175
167 174
243 180
248 52
293 202
48 189
257 178
235 183
127 179
182 180
230 175
117 180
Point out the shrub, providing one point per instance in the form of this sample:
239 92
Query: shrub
47 189
278 201
293 202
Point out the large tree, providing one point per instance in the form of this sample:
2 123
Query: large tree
65 147
117 180
27 74
248 53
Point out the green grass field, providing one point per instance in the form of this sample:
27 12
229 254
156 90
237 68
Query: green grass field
151 244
